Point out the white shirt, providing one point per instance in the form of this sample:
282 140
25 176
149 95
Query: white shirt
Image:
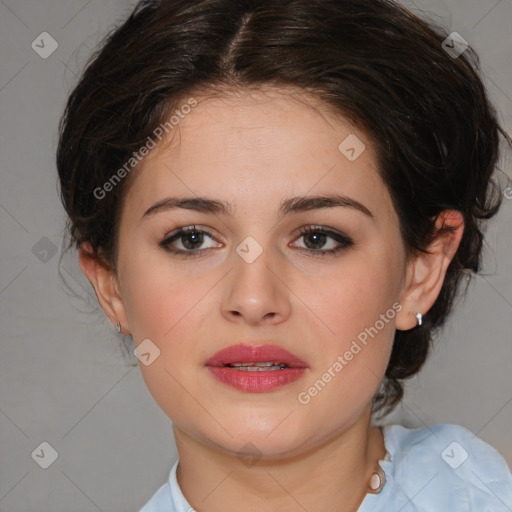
444 468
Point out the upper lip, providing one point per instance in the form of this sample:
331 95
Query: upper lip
255 354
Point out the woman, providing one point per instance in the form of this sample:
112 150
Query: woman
277 200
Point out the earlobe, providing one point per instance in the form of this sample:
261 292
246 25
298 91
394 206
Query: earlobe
104 281
426 271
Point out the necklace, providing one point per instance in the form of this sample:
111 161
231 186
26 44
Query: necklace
377 481
378 478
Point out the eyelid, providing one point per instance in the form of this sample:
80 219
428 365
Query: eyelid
176 233
342 239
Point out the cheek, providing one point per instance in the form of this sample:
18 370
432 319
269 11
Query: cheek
168 308
357 306
354 297
159 296
173 309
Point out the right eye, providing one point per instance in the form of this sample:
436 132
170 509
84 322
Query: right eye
190 238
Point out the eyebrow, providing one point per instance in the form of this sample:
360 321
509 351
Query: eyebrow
288 206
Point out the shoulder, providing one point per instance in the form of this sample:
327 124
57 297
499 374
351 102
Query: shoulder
448 466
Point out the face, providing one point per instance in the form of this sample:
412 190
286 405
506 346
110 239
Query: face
251 275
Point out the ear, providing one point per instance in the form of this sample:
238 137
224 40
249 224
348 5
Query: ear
104 280
426 272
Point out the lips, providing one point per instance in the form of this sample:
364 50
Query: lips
255 354
255 368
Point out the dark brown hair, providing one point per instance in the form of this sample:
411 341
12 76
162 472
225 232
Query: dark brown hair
371 61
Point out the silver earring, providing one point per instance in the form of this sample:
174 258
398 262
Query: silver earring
118 327
419 317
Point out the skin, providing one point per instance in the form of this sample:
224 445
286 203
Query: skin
253 149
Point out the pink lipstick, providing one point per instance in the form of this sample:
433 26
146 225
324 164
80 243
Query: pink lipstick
256 368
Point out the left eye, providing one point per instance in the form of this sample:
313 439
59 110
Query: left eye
317 236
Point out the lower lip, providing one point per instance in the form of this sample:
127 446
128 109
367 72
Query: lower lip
256 381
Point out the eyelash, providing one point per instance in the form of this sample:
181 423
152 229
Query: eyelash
344 241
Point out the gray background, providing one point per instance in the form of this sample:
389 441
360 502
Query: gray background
62 377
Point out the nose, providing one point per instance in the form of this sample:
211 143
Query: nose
256 292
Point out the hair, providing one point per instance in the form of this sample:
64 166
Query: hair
370 61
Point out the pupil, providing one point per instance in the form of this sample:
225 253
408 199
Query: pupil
320 238
198 239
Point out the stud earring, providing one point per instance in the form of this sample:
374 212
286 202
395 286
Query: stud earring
419 317
118 327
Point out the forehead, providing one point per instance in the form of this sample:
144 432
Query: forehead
258 144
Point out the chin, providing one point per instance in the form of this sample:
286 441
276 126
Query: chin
262 439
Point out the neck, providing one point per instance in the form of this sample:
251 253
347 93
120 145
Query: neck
331 477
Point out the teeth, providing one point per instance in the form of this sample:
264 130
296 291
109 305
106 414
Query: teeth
259 366
269 363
